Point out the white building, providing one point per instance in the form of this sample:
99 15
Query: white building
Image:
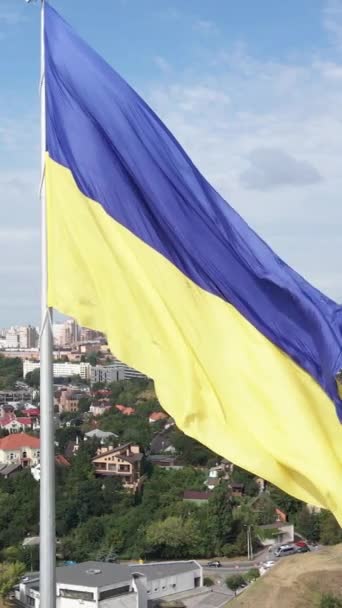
107 585
105 374
20 448
61 370
113 373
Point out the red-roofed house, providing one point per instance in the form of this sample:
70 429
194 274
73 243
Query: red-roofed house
126 411
15 425
32 412
157 416
21 448
62 461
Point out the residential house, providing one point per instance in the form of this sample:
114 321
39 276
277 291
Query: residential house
123 462
215 474
278 532
157 417
165 461
7 470
14 424
199 498
69 401
98 408
161 443
102 436
33 412
126 411
20 448
107 585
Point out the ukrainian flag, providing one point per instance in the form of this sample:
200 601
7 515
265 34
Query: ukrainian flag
243 351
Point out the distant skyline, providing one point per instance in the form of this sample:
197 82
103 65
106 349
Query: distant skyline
252 91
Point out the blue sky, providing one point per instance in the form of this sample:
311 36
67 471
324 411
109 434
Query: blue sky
253 90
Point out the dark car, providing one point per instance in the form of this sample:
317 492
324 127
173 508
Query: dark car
302 549
214 564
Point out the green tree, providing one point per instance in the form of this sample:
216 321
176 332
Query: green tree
288 504
220 518
172 538
92 358
64 435
84 404
330 601
331 532
191 451
9 576
11 370
33 378
308 524
252 574
234 582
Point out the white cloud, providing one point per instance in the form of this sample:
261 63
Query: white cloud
232 110
271 168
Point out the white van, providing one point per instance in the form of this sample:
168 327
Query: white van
285 550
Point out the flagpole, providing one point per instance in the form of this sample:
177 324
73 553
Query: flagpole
47 447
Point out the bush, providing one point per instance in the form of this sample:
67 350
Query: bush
208 581
252 574
330 601
230 551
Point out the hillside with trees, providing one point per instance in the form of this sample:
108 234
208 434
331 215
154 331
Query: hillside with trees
97 519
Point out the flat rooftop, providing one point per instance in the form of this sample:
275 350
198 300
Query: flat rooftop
102 574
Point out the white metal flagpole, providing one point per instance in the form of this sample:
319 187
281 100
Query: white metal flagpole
47 447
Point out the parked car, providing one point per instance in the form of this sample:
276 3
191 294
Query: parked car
302 549
282 552
214 564
301 543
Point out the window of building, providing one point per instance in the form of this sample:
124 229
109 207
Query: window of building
77 594
124 468
24 454
104 595
30 601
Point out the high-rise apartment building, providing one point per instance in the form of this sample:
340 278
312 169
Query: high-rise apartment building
66 334
28 337
12 338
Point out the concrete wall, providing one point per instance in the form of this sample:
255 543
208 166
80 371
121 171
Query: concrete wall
125 601
66 602
173 584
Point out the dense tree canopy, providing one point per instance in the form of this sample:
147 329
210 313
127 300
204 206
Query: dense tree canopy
11 370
